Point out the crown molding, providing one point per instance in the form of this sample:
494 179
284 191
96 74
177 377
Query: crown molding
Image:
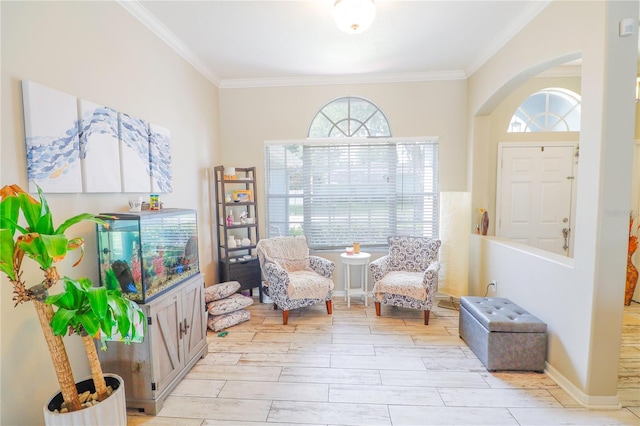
510 32
342 79
150 21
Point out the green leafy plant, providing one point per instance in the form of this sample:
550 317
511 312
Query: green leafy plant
93 312
39 240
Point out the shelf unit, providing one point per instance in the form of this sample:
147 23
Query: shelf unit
238 262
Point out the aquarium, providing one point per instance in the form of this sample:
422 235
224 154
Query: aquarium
148 251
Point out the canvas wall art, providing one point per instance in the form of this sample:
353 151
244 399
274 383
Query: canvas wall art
134 147
160 158
99 148
81 146
52 142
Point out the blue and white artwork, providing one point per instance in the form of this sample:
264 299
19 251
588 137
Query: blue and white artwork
99 148
160 155
53 147
134 147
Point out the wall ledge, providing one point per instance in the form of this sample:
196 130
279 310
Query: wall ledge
528 250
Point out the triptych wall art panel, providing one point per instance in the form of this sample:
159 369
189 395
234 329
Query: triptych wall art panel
74 145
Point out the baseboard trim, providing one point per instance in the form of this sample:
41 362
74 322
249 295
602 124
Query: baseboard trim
587 401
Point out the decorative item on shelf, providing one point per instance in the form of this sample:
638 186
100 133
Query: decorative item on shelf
229 173
251 220
632 272
227 198
154 202
241 195
135 204
243 217
232 242
484 222
230 219
246 242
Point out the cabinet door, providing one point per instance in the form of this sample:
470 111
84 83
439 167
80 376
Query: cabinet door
168 356
194 319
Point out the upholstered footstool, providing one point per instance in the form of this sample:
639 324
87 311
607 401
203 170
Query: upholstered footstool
503 335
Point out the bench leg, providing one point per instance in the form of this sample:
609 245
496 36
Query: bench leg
426 317
329 307
377 308
285 317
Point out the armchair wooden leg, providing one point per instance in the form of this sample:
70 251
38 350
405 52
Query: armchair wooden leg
275 307
285 317
377 309
426 317
329 307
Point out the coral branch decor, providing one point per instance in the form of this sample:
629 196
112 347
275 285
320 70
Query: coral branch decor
632 272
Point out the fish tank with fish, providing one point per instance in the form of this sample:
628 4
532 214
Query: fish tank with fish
149 251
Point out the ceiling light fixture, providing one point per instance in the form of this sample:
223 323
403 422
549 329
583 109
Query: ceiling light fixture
354 16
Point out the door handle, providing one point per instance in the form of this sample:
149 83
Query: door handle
565 234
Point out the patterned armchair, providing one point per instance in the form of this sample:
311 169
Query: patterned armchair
408 275
295 278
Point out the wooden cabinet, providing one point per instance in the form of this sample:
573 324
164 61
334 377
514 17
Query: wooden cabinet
238 230
176 338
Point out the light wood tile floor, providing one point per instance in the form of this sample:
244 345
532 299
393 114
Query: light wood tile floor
353 368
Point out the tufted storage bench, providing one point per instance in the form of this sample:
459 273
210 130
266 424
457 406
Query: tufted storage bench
503 335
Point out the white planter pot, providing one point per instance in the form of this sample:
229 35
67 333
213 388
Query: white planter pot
111 411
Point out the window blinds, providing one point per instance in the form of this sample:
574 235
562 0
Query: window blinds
340 191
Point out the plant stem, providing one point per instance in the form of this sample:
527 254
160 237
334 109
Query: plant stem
94 365
58 356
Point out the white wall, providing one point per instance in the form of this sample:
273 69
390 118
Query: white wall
580 299
253 115
99 52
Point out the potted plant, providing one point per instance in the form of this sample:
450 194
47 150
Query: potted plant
81 306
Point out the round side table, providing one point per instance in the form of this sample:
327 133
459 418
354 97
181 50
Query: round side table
361 260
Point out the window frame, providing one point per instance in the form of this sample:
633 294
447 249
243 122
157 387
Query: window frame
426 200
541 119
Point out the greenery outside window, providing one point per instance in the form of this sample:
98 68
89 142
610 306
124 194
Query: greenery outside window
336 191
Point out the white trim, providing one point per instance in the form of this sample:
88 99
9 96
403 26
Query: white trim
343 79
416 139
587 401
509 33
160 30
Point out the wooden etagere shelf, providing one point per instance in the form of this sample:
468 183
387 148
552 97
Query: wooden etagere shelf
236 208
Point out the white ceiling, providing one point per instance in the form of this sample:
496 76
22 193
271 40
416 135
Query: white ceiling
260 43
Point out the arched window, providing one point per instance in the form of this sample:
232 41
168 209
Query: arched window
549 110
350 181
349 117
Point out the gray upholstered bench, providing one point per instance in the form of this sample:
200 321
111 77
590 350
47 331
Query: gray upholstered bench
503 335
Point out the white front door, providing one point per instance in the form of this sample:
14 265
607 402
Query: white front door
535 193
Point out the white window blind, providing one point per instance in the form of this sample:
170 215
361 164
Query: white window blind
339 191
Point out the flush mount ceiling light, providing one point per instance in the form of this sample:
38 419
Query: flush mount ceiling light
354 16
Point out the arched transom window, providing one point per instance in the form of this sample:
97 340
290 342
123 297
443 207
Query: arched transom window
349 117
549 110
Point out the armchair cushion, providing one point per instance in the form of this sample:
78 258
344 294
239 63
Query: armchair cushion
402 283
308 285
